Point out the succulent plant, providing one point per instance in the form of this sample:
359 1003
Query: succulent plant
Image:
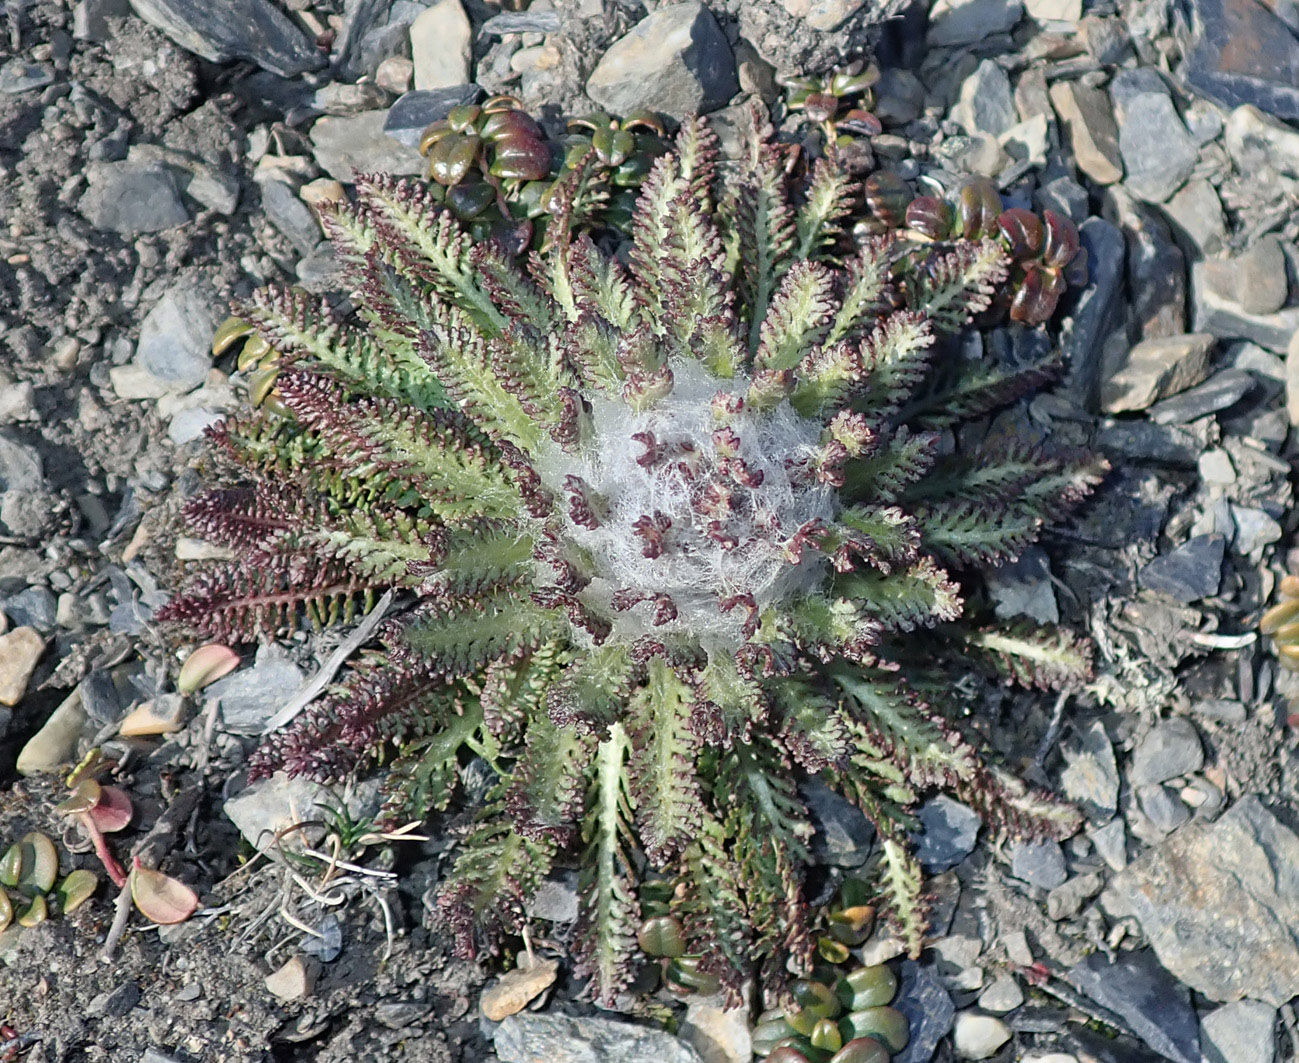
1281 622
669 537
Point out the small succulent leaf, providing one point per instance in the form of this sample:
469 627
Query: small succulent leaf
40 864
113 811
205 666
74 891
161 898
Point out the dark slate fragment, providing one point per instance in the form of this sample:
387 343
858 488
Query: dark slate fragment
360 17
1220 392
1239 52
420 108
256 30
1188 573
1150 442
844 837
1097 312
1153 1003
928 1008
947 834
522 22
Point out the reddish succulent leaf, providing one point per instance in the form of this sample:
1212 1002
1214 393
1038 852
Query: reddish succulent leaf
160 897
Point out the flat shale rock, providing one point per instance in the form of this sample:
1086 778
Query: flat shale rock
1219 903
1158 153
130 198
1188 573
1240 51
1243 1032
676 61
1155 369
234 29
537 1038
1136 988
345 146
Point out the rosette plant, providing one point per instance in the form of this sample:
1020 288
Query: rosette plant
672 531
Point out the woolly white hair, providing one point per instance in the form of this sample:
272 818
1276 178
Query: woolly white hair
695 571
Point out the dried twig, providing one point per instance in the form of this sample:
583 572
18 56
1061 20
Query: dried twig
120 919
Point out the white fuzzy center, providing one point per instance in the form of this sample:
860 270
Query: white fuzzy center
694 570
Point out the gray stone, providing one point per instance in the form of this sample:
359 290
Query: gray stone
21 469
188 425
441 40
928 1009
1233 935
320 272
175 339
256 30
1003 994
1155 1006
1243 1032
1251 138
529 1037
985 104
1255 529
1225 318
1158 153
676 61
33 607
1254 281
899 96
1089 119
1171 748
90 18
824 15
18 75
844 836
131 198
1023 588
251 696
269 805
1162 807
290 215
1188 573
1098 307
1156 268
1240 51
556 899
1111 842
1155 369
1107 39
1091 775
1065 196
948 830
339 97
1220 392
215 190
345 146
1067 899
969 21
1039 864
417 110
1150 442
1196 212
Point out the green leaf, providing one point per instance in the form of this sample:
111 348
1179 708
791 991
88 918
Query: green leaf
665 786
607 927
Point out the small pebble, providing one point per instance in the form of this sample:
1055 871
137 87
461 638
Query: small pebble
979 1036
517 989
296 980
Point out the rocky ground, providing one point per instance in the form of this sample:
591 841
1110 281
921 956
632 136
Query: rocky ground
158 157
